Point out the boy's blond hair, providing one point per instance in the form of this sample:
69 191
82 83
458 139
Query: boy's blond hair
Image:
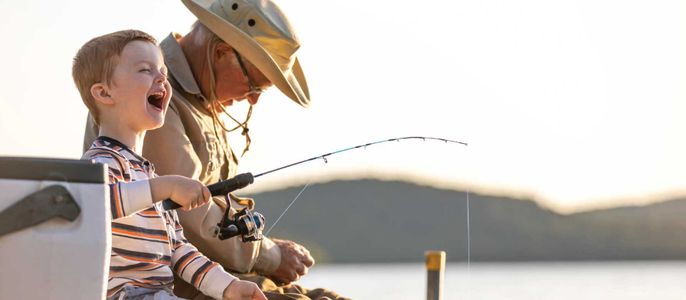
95 62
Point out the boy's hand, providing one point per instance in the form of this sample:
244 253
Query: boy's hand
189 193
243 290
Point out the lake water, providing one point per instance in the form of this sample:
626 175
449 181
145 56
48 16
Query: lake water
515 281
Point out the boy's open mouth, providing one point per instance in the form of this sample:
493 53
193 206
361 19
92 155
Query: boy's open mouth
156 99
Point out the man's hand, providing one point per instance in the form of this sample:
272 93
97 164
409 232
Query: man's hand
242 290
295 261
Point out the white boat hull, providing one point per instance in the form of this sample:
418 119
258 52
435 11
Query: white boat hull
56 259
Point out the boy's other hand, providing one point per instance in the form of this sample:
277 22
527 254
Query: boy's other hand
243 290
187 192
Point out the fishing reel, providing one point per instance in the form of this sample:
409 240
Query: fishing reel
246 223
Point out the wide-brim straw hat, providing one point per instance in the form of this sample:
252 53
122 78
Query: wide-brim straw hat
262 34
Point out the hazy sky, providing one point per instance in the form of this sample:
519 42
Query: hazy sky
573 103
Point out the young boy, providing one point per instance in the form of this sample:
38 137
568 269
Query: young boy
122 80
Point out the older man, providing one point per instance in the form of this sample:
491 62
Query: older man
236 50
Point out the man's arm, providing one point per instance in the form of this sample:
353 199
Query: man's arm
295 260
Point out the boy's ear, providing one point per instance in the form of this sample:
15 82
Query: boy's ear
101 94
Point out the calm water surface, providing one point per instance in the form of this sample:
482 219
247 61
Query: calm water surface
578 280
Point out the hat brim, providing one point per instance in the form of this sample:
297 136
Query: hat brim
291 82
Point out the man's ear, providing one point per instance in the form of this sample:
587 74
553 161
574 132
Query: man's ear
221 50
101 94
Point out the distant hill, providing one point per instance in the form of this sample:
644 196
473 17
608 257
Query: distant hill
386 221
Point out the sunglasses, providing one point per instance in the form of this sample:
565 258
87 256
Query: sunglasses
253 88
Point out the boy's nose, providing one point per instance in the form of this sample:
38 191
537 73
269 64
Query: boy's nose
161 77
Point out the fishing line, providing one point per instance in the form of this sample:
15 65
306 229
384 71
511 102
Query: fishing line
469 237
469 248
289 206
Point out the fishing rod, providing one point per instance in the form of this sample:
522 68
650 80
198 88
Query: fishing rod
242 180
249 224
323 157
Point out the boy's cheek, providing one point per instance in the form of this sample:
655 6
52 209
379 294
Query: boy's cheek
169 90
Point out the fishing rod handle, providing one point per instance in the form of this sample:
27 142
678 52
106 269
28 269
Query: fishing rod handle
219 189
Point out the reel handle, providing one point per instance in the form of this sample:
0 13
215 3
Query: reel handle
218 189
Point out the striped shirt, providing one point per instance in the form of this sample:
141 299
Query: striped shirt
148 245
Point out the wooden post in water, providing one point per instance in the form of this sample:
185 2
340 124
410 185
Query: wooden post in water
435 267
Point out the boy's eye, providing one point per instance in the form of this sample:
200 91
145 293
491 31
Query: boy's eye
144 70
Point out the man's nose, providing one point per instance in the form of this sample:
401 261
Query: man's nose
252 98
